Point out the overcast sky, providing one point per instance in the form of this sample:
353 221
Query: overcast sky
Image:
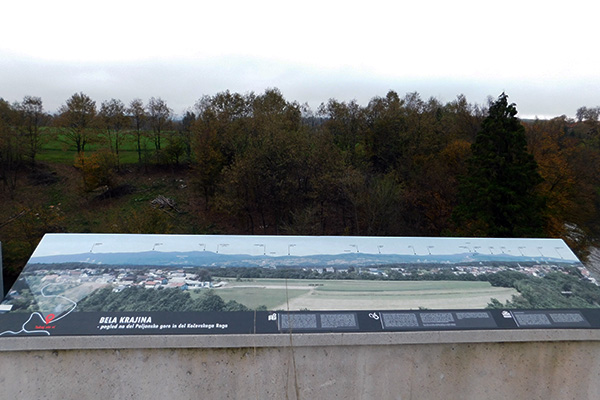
544 55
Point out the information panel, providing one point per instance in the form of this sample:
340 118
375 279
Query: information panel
245 322
104 284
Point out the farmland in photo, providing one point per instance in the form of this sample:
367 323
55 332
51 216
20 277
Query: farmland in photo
360 295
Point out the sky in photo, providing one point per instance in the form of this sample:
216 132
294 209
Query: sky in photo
60 244
543 55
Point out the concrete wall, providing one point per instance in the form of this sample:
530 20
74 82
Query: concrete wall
561 364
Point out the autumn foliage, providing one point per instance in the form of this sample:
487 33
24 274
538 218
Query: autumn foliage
260 164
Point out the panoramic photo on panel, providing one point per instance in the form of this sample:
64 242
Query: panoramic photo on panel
142 272
116 273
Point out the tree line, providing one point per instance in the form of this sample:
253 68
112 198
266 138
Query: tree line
140 299
398 166
163 299
555 290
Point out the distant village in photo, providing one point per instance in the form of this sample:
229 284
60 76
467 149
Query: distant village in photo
54 281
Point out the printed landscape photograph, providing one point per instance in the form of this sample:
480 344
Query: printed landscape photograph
117 272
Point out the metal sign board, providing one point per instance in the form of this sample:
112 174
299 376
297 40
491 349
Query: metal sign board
117 284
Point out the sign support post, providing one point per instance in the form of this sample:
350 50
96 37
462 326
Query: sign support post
1 276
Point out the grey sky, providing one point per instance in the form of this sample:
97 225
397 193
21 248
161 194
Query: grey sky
540 54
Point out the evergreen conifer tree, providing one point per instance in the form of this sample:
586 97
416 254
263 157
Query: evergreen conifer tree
498 198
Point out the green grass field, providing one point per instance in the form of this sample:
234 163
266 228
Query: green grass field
57 148
357 295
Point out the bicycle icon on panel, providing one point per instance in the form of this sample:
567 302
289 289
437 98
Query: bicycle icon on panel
373 315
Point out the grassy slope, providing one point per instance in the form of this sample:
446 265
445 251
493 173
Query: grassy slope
50 198
57 148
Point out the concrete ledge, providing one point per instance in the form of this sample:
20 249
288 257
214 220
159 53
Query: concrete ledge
465 365
29 343
559 366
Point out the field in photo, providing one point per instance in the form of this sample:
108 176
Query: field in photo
361 294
